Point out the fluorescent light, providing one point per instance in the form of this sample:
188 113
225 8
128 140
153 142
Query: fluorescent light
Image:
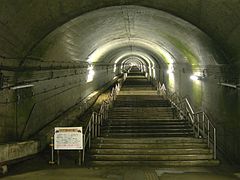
22 86
229 85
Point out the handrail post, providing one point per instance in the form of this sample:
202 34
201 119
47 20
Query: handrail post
84 145
208 134
214 144
96 125
112 94
52 150
93 124
99 124
101 117
203 124
89 133
106 112
198 121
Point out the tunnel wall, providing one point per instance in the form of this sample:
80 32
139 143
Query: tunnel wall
26 111
7 116
220 103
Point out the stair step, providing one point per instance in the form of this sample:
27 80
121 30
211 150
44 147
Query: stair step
146 130
150 123
156 119
140 105
195 163
166 110
137 114
149 146
140 117
141 113
143 103
176 134
144 126
138 92
141 99
162 111
151 157
142 110
166 140
150 151
140 86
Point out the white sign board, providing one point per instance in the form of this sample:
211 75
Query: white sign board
68 138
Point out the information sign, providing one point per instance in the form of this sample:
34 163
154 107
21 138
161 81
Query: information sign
68 138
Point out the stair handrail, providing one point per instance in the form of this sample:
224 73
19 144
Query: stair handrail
200 121
93 128
207 130
161 89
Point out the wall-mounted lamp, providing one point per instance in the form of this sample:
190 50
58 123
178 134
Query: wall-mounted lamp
195 78
170 69
91 73
198 76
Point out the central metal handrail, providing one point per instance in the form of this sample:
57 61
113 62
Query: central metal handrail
201 123
93 128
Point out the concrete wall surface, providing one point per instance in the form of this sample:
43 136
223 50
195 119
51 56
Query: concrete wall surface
13 151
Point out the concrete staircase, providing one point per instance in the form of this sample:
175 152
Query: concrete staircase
143 130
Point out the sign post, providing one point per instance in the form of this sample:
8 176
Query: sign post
52 151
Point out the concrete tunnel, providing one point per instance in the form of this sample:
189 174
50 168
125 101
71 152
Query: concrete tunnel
56 53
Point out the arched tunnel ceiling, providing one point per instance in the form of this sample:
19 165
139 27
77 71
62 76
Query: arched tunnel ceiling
145 57
25 23
101 34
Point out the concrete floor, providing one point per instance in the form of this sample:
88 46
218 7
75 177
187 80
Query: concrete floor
38 168
123 174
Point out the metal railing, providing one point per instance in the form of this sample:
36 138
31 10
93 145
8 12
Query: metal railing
93 128
202 125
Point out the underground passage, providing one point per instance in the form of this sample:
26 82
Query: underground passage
122 89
